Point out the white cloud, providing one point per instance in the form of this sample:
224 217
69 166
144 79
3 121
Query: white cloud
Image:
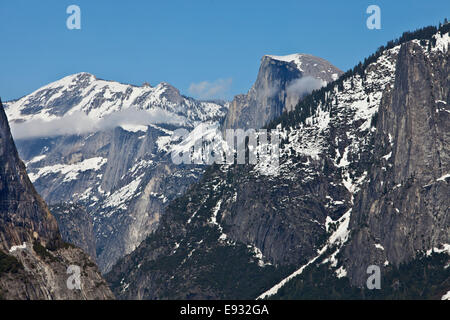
79 123
211 90
304 86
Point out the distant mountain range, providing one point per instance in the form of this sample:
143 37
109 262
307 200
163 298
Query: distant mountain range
364 176
364 181
104 148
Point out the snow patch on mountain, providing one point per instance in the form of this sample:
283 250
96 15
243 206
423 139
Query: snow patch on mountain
36 159
339 237
296 58
119 198
69 171
23 246
134 128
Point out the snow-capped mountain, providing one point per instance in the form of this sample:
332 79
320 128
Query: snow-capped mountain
363 180
310 65
83 92
105 146
281 82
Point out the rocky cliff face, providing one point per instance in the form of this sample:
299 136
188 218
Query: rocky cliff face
281 82
33 258
36 273
76 226
363 179
404 208
24 215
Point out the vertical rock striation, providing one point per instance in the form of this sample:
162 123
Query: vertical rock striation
33 258
405 207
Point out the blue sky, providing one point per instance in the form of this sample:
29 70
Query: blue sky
192 44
